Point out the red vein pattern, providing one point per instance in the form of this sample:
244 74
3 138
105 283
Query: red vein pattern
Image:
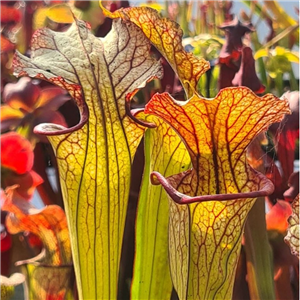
292 237
166 36
94 157
205 235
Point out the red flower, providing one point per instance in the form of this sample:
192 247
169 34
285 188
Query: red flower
16 164
10 14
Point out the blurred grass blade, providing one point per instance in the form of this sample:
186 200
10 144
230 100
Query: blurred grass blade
281 35
258 254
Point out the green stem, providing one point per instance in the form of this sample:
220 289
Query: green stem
258 254
183 19
293 81
260 62
257 10
263 74
166 8
279 84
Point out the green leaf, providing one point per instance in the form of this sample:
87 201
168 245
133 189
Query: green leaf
164 151
258 254
261 53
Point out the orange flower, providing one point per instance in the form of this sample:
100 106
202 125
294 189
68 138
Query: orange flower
277 217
